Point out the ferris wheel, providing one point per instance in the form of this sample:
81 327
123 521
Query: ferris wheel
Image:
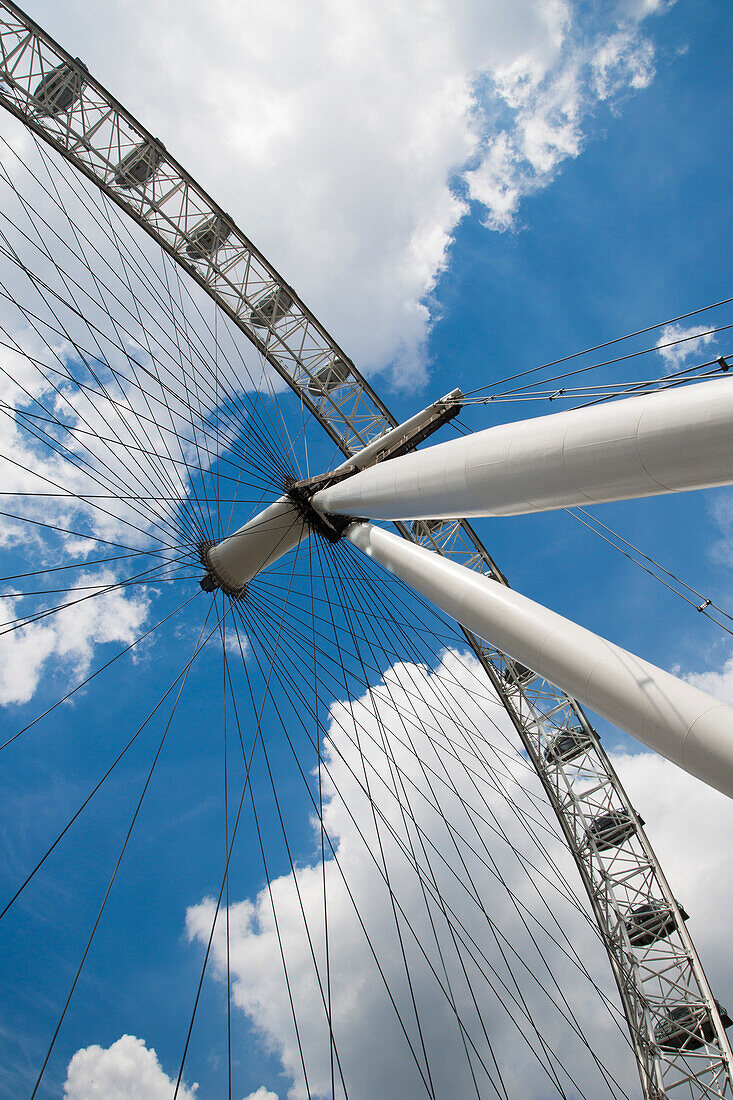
141 429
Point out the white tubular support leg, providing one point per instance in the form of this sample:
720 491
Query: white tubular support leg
265 538
675 719
665 442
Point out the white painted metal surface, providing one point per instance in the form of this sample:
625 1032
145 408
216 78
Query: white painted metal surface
667 442
675 719
398 434
266 537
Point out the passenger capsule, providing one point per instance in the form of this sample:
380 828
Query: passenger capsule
207 238
687 1027
423 527
567 745
270 308
611 829
519 674
329 378
138 166
651 921
60 88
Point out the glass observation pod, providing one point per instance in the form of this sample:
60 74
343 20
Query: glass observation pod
611 829
652 921
138 166
687 1027
60 88
517 673
329 378
207 238
270 308
423 527
568 745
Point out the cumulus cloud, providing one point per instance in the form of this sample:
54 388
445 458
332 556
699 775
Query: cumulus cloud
688 823
346 137
507 928
678 344
125 1069
514 912
128 1070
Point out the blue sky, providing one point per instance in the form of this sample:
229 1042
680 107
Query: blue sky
383 230
633 229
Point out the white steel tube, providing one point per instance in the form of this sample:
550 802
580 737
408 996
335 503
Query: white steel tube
666 442
675 719
264 539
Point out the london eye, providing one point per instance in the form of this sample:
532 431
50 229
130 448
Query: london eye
291 588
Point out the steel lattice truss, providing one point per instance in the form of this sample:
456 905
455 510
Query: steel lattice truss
680 1042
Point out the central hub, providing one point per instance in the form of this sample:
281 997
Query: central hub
301 494
231 563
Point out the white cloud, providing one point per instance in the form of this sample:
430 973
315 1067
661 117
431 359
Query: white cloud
342 136
370 1044
623 60
684 343
689 824
552 93
80 447
44 482
718 683
428 744
69 635
75 458
122 1071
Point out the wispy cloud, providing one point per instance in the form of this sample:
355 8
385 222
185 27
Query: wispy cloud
550 95
70 636
677 344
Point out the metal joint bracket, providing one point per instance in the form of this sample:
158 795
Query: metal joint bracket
397 441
